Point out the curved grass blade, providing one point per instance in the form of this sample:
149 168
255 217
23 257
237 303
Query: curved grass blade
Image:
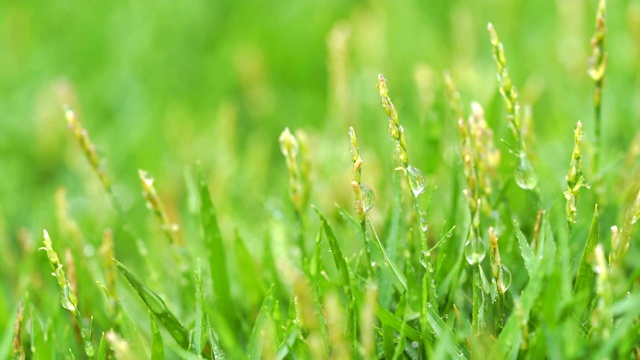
215 251
157 307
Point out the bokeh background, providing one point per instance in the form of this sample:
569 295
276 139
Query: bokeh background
160 85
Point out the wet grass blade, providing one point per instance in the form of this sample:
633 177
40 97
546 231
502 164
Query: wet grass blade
215 251
157 306
388 318
584 286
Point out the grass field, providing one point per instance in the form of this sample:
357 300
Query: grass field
321 179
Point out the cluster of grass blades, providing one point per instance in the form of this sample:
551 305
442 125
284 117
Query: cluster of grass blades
347 286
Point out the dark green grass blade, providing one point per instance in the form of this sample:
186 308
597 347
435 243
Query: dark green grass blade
157 346
584 286
158 308
215 251
526 251
389 319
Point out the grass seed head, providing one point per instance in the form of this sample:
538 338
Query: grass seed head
574 177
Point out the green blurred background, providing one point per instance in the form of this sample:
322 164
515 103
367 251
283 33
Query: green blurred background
161 84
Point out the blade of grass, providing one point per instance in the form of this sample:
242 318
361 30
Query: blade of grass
215 251
157 307
388 318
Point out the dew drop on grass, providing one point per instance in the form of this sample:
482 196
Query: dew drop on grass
474 251
506 277
417 181
525 173
424 224
368 197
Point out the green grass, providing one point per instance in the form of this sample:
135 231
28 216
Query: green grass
459 223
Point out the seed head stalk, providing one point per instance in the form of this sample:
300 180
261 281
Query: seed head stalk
68 299
574 178
296 153
597 67
365 197
474 247
89 151
525 173
415 180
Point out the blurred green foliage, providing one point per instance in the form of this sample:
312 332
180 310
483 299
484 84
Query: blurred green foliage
161 84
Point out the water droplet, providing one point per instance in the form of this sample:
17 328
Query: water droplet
414 344
474 251
368 197
417 181
505 278
424 225
525 173
634 219
373 264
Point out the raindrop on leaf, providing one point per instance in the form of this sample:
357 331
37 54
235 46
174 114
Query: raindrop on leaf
525 173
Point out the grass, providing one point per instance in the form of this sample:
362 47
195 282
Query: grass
427 217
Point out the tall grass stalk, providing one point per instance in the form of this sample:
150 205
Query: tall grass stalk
597 68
